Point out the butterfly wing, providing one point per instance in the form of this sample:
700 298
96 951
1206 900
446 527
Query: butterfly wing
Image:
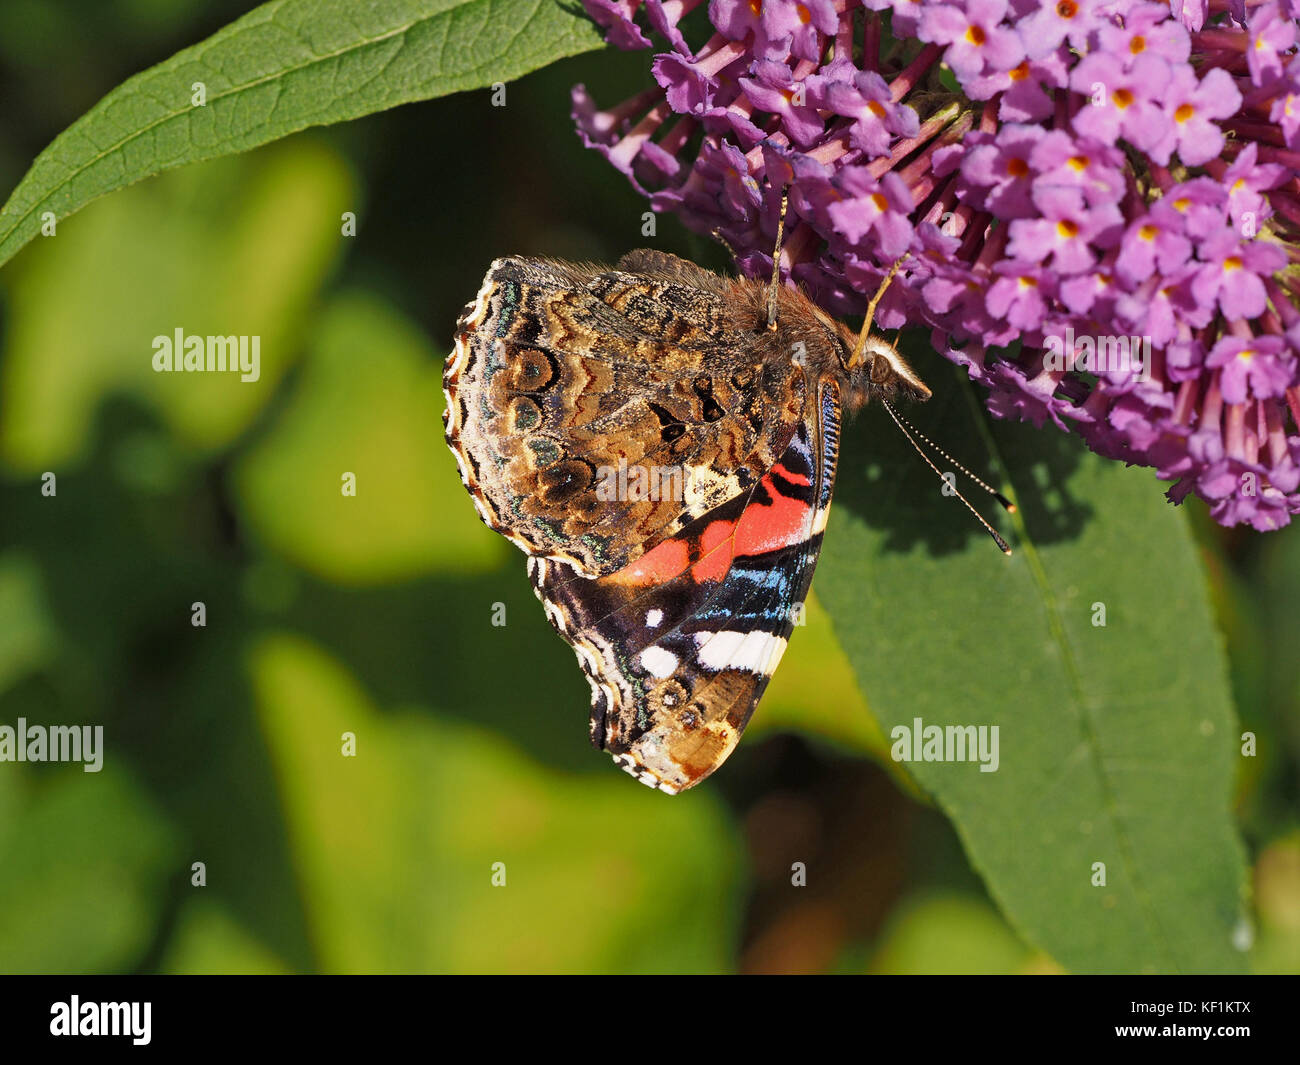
594 413
679 645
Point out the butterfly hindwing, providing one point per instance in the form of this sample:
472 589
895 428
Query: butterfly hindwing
679 645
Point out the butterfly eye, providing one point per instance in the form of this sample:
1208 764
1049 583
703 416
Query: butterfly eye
881 371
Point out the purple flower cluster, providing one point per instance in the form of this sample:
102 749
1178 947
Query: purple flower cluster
1096 202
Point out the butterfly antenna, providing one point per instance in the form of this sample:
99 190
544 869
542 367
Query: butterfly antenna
1007 505
1006 550
859 349
717 235
776 260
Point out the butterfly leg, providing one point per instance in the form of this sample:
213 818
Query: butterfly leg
859 349
776 260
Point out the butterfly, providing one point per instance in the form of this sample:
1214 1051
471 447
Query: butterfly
662 443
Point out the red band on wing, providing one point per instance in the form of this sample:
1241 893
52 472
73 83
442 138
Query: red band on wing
759 529
716 550
786 475
763 529
656 566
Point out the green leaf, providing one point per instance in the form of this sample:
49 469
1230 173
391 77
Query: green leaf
281 68
1117 743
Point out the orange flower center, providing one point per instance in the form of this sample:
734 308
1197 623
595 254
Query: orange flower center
1017 168
975 35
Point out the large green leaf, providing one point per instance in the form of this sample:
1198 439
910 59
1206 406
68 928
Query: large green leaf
1117 741
283 67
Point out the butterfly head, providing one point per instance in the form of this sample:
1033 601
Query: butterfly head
882 373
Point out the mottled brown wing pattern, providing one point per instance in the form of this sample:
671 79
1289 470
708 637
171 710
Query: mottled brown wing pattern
562 373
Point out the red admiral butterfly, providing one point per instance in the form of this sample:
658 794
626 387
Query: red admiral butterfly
662 442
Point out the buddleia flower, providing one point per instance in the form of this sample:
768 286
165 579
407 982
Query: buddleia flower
1095 203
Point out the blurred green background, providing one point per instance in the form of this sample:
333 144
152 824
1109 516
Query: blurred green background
373 615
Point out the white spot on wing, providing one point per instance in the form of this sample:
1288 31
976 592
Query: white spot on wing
653 618
819 520
757 651
658 662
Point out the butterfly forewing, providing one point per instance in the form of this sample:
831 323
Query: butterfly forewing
596 412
